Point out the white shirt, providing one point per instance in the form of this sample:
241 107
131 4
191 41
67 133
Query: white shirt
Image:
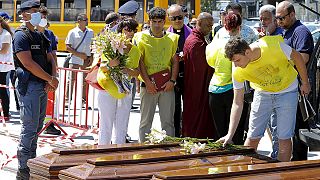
74 37
5 37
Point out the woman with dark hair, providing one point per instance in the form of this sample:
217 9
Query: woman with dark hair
115 110
221 88
6 57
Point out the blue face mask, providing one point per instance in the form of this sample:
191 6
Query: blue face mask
35 19
185 20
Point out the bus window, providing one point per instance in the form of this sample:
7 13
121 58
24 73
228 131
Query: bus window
189 3
150 5
139 16
53 8
7 6
100 9
72 8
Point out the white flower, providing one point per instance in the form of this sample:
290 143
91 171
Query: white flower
155 136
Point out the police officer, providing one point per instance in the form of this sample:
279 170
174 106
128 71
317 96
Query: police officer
36 70
127 10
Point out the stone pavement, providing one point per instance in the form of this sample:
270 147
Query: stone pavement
9 137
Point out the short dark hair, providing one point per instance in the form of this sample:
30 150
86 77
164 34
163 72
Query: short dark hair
81 16
235 45
290 8
111 17
235 6
130 23
157 13
44 10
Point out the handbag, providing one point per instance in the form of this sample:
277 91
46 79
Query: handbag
91 78
160 78
68 58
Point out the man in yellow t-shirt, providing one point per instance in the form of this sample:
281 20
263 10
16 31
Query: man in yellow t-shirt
158 50
265 64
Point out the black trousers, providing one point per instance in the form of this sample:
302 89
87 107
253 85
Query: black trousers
300 150
13 78
4 95
178 93
220 105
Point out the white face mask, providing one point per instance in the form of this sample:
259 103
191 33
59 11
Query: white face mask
43 22
35 19
185 20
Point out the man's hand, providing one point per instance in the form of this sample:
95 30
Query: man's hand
225 140
54 82
114 62
151 88
305 88
168 86
82 55
48 88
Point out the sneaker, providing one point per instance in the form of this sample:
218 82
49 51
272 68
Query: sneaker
52 130
23 174
134 107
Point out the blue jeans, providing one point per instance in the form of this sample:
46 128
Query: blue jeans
32 113
281 107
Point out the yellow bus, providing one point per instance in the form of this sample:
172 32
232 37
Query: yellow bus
63 12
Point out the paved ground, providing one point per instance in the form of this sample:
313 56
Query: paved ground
9 135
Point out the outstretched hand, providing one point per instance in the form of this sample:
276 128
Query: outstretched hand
225 140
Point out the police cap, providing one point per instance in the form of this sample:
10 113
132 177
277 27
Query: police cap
29 4
129 8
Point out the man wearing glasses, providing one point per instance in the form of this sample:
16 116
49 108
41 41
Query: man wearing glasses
78 43
176 16
299 38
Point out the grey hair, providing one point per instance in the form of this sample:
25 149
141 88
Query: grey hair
172 7
268 8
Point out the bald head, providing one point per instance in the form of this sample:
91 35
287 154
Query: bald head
285 14
204 15
286 6
204 23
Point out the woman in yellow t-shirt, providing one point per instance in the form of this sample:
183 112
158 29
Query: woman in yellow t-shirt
114 107
221 87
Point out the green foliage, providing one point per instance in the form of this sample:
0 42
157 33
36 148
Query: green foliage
208 6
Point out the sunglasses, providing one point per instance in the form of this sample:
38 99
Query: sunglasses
173 18
281 18
130 30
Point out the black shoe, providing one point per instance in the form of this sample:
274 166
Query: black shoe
128 139
52 130
134 107
23 174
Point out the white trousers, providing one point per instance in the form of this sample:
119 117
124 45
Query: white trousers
114 118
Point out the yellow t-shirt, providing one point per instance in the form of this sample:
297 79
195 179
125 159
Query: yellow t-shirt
107 83
157 52
272 72
215 56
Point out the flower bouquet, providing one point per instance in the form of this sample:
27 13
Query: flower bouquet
111 46
189 145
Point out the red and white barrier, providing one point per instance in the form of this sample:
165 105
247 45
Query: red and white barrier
70 112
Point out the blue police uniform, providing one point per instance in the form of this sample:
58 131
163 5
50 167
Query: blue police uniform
30 90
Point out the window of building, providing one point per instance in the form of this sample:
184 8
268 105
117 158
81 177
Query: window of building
72 8
100 9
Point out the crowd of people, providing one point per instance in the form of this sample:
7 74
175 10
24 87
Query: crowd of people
227 82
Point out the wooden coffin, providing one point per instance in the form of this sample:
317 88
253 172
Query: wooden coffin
49 165
282 170
145 170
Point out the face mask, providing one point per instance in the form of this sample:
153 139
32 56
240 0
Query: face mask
43 22
185 20
35 19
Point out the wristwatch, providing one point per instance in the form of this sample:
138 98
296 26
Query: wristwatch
173 81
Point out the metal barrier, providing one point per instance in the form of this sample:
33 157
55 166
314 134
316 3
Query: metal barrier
67 109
